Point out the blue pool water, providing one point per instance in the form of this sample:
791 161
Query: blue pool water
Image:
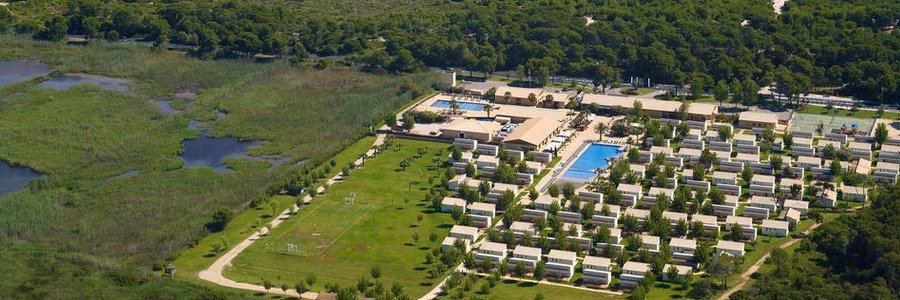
462 105
596 156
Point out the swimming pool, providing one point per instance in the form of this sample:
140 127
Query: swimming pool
462 105
596 156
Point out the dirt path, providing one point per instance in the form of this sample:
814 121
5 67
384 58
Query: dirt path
745 277
214 272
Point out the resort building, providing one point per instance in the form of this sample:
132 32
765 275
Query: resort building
752 119
827 199
482 131
764 202
521 228
639 214
719 177
631 189
527 256
774 228
745 223
560 264
683 250
808 162
544 202
632 274
674 217
449 203
597 271
799 205
482 209
792 216
490 251
450 243
854 193
787 183
735 249
533 134
466 233
652 107
710 223
679 277
518 96
650 242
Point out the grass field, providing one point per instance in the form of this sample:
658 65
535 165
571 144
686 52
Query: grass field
340 243
200 256
511 289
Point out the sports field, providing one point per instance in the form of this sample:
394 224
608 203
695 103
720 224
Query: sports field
340 242
809 122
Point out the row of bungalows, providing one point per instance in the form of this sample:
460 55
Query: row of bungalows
652 107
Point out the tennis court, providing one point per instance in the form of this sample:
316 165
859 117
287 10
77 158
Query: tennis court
809 122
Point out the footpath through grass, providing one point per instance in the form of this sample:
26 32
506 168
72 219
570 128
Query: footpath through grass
340 242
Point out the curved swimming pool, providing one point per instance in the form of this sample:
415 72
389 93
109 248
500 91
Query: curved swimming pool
595 156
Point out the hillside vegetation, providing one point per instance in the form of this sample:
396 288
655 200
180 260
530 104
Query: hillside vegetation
828 43
853 257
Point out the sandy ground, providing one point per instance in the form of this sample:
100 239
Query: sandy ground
893 127
777 5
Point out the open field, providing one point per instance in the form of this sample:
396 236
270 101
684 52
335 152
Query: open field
200 256
511 289
340 242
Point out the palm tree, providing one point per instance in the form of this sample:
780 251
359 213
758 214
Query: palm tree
548 100
532 98
454 106
488 109
601 129
506 97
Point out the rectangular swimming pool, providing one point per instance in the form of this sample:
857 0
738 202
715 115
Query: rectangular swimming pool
596 156
471 106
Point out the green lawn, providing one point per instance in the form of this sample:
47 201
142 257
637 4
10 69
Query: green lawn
510 289
340 243
200 256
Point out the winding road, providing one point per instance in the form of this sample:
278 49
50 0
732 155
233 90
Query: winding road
745 277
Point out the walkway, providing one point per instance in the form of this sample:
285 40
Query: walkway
745 277
214 272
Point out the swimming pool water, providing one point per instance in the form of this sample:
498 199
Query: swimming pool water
462 105
596 156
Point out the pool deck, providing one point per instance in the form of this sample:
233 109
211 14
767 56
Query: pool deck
572 159
569 152
509 110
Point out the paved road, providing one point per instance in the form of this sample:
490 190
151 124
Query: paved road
214 272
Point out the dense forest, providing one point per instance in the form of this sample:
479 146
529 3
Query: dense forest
850 46
854 257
